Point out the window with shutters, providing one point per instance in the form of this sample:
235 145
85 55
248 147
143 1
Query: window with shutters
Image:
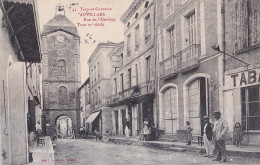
129 77
128 45
115 86
192 28
137 37
247 18
147 28
170 42
148 68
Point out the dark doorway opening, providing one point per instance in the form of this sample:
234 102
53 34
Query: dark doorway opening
203 101
116 121
123 120
148 112
95 124
130 119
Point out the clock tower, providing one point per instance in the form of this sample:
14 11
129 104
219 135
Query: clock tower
60 73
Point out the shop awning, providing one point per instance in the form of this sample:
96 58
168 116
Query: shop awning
92 117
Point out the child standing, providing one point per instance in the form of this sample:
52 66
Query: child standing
188 132
238 134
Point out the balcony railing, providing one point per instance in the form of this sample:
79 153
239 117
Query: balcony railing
140 89
190 53
168 66
132 92
183 61
189 57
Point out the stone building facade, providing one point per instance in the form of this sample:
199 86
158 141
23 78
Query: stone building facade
99 68
241 81
188 68
61 72
84 93
134 80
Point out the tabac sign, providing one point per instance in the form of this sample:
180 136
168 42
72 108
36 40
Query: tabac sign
243 78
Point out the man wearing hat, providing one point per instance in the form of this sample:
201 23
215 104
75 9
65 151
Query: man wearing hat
207 136
219 131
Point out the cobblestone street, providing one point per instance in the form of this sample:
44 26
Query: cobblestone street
89 152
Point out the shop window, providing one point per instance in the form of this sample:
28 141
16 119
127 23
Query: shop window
250 108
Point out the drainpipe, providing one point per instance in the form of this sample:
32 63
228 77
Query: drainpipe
156 69
221 43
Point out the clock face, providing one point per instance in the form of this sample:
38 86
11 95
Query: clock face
60 38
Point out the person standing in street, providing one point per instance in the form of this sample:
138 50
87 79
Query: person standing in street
127 127
207 136
188 132
38 129
219 131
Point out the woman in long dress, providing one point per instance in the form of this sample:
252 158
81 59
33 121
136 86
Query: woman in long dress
127 127
145 131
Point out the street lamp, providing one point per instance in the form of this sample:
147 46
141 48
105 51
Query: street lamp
216 47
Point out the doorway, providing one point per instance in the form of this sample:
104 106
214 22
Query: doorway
116 121
123 119
64 127
197 103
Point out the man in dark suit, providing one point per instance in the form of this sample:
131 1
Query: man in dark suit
207 136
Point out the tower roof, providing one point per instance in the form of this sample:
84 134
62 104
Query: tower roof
60 22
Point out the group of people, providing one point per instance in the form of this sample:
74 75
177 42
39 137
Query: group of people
99 137
149 132
215 133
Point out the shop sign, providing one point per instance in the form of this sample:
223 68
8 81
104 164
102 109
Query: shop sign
245 78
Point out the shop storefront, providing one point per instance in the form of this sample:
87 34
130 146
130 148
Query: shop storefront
242 102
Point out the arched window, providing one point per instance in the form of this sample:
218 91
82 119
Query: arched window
62 95
62 67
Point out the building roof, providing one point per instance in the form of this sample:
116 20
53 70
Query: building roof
101 44
60 22
117 49
130 11
84 84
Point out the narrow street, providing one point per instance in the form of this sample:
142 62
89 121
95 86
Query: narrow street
90 152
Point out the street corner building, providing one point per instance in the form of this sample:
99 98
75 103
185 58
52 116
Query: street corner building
60 76
20 74
100 117
241 87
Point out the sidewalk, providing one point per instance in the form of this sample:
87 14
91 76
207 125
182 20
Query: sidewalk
42 154
245 151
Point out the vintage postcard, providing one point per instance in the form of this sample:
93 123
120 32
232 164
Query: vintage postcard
94 82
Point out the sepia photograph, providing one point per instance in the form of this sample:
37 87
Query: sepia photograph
129 82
